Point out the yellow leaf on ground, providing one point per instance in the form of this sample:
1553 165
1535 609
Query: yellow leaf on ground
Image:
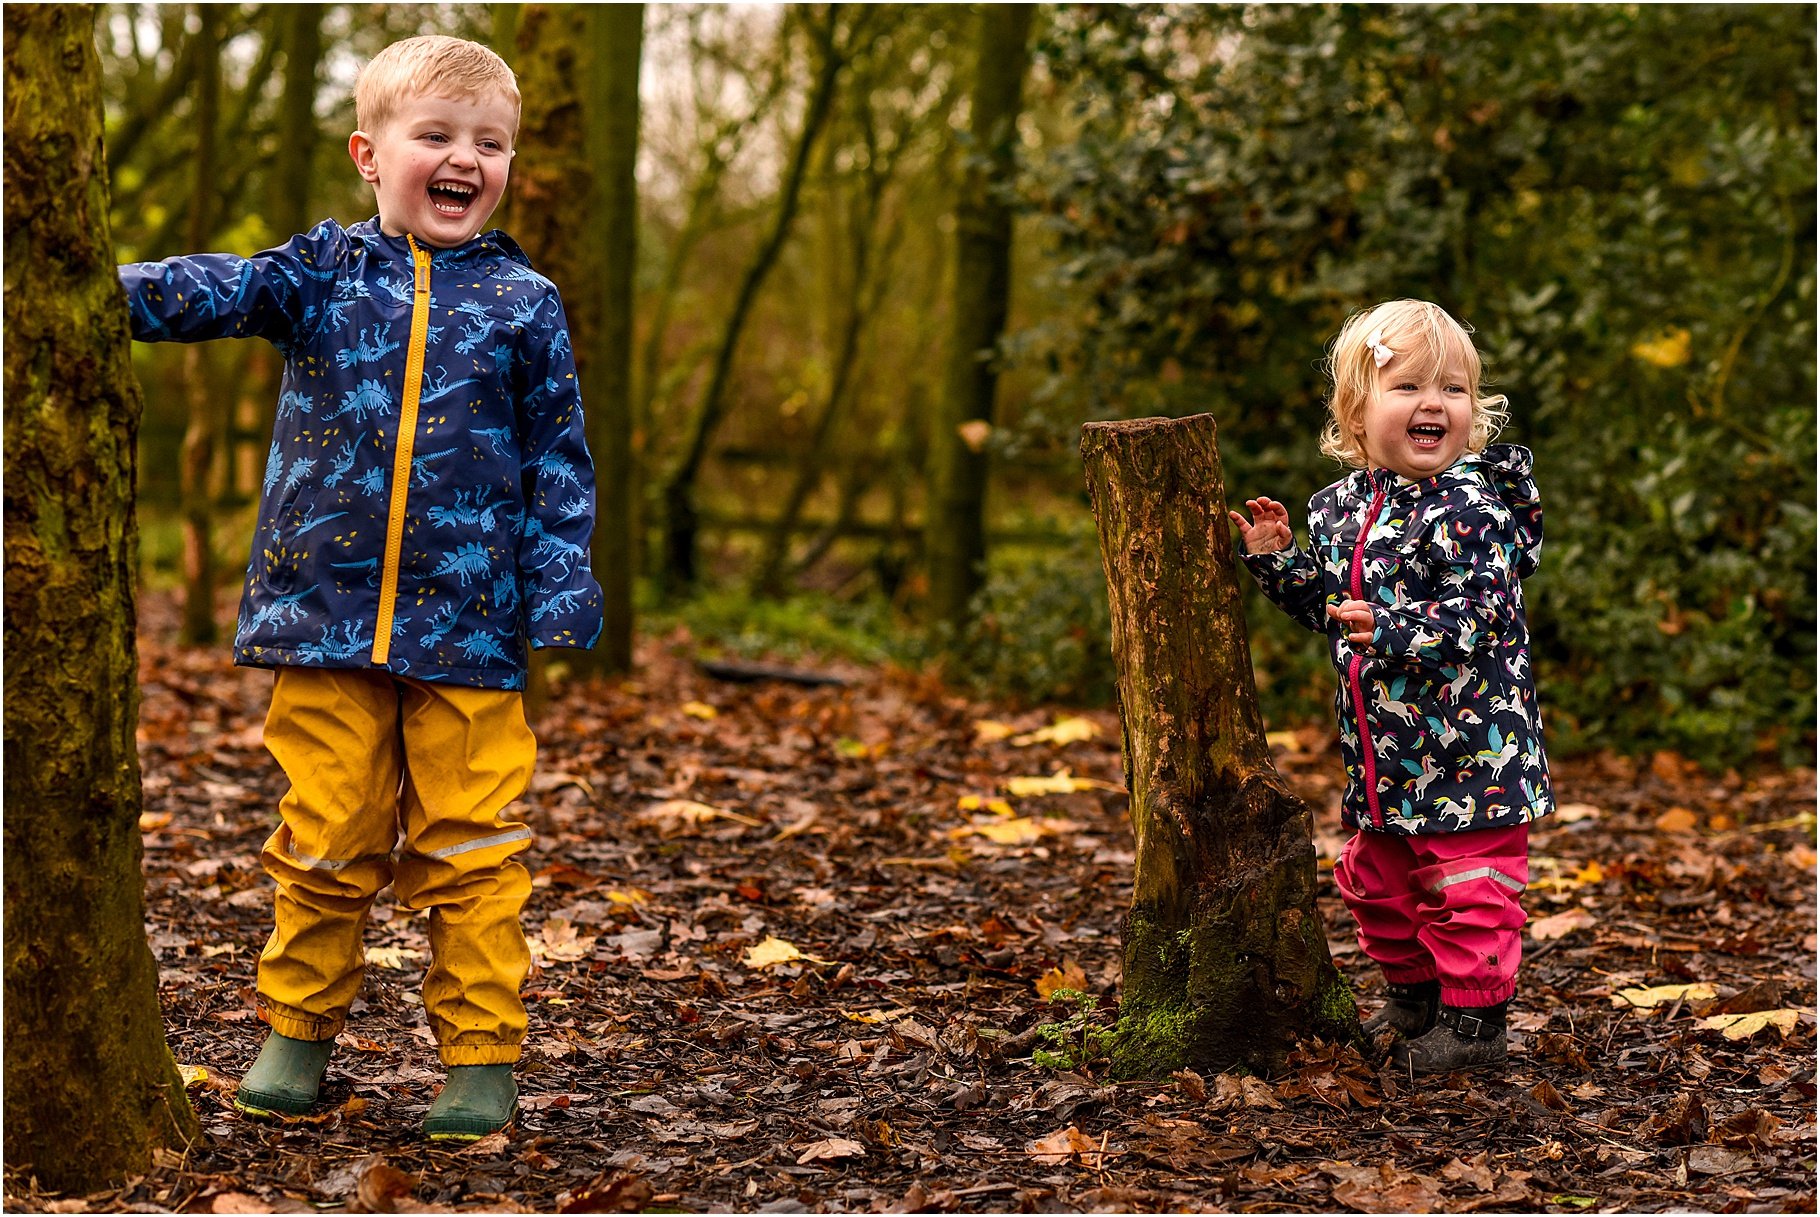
1573 813
1677 819
398 959
152 821
974 802
990 731
1560 925
1669 349
774 950
1661 995
1061 731
700 709
630 895
192 1075
1592 872
1059 782
1743 1026
1068 976
1288 741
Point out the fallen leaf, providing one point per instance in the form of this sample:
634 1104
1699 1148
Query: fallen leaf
1743 1026
381 1187
1560 924
152 821
1059 782
238 1202
990 730
1059 1147
192 1075
1677 819
831 1148
974 802
561 942
774 950
1061 731
1383 1188
398 959
1069 976
630 896
1662 995
701 710
679 815
607 1193
1573 813
1288 741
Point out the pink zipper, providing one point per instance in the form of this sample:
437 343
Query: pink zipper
1366 748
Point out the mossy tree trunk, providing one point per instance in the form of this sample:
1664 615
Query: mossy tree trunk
202 438
1225 957
91 1088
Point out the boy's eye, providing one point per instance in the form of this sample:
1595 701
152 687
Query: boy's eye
436 137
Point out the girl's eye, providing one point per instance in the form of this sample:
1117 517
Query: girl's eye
436 137
1456 388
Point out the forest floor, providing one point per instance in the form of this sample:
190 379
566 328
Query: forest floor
683 822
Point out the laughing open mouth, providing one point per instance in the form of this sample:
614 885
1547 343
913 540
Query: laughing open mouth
1427 435
451 198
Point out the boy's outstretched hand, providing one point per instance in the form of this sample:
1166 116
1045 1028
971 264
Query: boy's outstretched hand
1355 617
1270 533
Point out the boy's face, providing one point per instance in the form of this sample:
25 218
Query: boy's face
439 166
1413 426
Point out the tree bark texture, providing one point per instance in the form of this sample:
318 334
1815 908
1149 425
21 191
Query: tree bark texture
90 1087
610 115
958 467
294 169
1225 957
208 415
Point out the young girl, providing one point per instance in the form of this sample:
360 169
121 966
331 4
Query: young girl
1412 570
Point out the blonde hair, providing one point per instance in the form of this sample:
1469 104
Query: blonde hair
1423 335
433 64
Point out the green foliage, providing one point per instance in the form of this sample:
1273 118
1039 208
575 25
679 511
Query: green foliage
1076 1041
1619 198
733 622
1040 630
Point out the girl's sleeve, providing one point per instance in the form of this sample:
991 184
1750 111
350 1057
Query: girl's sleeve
1291 578
1476 549
275 294
562 600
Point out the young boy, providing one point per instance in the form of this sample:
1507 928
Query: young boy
428 505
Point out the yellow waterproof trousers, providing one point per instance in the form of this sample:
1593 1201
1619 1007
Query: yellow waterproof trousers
404 782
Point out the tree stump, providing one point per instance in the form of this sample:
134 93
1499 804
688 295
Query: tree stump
1225 956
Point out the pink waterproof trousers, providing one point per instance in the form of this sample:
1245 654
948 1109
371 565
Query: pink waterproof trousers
1444 906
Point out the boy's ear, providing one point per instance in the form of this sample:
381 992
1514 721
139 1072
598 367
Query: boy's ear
360 147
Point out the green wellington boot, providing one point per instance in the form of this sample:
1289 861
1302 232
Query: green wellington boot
477 1100
285 1078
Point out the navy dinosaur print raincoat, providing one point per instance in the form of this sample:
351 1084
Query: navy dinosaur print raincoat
1439 726
429 498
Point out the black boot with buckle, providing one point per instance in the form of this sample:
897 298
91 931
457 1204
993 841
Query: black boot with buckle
1463 1037
1409 1010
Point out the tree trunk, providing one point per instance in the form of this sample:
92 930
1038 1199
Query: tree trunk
959 465
294 169
610 118
681 519
207 416
91 1088
1225 956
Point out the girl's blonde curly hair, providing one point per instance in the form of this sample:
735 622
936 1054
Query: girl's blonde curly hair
1424 340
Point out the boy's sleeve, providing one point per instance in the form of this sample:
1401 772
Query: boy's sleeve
562 599
1477 547
1291 578
274 294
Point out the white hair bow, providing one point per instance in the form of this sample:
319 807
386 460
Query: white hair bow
1380 354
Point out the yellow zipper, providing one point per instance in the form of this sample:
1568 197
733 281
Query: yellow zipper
401 460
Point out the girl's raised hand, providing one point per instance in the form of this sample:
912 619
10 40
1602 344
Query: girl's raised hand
1355 617
1268 532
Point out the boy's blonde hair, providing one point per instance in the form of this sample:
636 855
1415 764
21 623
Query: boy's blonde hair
1425 340
433 64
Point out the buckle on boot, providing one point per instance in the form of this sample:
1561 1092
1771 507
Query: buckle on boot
1469 1025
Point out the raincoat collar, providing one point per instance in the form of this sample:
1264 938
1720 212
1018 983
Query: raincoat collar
494 242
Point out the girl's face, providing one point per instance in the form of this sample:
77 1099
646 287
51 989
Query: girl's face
1413 426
